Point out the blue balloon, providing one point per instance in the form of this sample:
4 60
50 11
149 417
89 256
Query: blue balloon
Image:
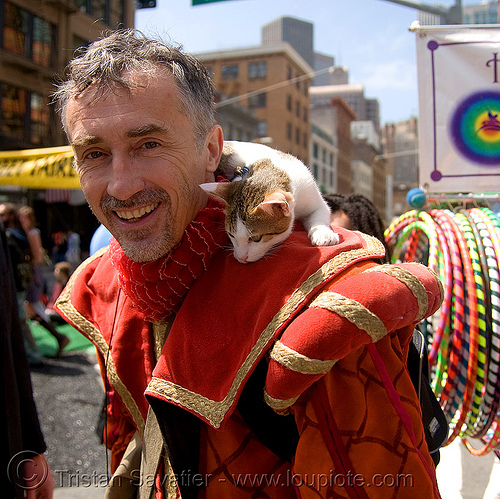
100 239
416 198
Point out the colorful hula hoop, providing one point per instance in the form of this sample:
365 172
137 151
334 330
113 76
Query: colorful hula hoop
463 248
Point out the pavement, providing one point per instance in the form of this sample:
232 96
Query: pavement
69 395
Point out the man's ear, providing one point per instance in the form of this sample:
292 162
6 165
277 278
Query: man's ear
213 144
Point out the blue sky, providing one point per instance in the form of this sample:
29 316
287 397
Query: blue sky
369 37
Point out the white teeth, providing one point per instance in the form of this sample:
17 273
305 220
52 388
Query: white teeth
138 213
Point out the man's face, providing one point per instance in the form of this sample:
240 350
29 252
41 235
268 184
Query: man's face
139 165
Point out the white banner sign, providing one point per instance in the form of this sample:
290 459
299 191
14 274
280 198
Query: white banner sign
459 108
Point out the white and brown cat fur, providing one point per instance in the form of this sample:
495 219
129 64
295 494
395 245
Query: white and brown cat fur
268 191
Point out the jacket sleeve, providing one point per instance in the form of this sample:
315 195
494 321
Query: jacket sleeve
358 310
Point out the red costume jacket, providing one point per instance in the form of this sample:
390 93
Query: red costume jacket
320 333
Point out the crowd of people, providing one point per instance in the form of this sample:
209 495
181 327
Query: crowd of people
36 294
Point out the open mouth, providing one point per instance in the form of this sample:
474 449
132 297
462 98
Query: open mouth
137 214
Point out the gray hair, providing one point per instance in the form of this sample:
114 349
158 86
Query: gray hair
104 65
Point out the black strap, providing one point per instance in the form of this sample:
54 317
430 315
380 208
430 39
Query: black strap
277 433
181 433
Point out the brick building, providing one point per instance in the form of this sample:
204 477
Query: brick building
273 81
37 39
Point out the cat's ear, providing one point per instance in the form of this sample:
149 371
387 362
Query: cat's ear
276 203
218 189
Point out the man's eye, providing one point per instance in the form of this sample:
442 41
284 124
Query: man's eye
94 154
150 145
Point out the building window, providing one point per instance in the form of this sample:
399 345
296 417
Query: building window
289 131
257 101
297 109
13 110
262 129
42 36
28 35
306 115
40 119
112 12
116 12
15 30
315 150
257 70
98 9
25 115
230 72
289 102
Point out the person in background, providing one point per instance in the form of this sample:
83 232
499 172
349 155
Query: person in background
62 273
20 256
35 309
25 471
73 253
357 212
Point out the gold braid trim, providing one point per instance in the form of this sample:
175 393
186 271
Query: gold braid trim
298 362
215 411
279 404
353 311
84 325
412 283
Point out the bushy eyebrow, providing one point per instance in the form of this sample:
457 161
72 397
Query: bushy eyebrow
140 131
85 141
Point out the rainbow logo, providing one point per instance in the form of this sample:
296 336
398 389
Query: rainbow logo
475 128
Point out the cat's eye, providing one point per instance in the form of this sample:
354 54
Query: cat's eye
256 239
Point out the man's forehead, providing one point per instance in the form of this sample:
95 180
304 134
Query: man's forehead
92 102
132 80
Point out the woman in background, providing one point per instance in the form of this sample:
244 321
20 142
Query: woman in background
35 309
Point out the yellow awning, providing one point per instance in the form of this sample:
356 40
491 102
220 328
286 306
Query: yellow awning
48 168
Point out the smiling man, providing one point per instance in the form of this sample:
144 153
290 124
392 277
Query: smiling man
135 158
202 357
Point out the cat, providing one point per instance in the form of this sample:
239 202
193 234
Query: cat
268 190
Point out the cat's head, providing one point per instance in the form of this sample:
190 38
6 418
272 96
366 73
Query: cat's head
256 219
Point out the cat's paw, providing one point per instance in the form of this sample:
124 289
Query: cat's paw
321 235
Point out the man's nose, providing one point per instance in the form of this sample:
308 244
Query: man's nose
125 178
